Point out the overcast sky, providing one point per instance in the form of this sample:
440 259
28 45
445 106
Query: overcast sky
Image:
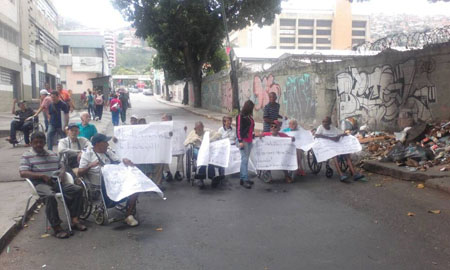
101 14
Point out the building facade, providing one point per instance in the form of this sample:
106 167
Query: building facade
10 68
110 45
83 58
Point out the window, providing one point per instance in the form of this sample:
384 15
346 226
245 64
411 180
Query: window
9 34
356 41
41 80
324 23
65 49
305 40
287 22
323 41
307 32
305 47
359 33
323 32
6 76
287 47
360 24
79 82
303 22
324 48
287 40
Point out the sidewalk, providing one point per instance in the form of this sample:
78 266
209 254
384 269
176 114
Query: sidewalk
14 191
432 178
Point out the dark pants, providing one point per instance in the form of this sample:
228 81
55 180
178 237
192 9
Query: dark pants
123 115
45 122
72 195
99 111
91 111
25 127
52 131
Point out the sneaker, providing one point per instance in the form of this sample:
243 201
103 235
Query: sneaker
357 177
131 221
178 176
344 178
301 172
168 177
201 184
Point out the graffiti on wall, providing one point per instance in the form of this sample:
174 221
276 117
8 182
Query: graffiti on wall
227 96
210 97
261 89
299 98
379 97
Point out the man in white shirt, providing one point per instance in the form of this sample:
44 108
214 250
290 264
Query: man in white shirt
72 146
329 132
96 156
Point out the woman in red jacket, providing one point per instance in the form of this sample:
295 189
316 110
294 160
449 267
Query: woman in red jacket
245 127
115 106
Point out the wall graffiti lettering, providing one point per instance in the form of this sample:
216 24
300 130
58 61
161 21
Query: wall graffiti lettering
210 94
227 97
261 89
299 98
379 97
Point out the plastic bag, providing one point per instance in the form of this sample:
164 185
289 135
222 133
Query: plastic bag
397 153
418 153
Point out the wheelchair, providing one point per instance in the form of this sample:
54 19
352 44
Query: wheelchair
37 126
192 169
315 166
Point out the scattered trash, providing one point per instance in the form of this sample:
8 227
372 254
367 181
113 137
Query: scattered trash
411 214
159 229
45 235
44 265
25 225
420 186
378 185
434 211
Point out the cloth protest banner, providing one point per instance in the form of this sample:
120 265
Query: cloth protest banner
122 181
219 153
142 144
178 138
304 139
274 153
325 149
234 163
203 152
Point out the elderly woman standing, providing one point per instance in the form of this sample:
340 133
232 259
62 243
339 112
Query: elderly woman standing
293 126
245 126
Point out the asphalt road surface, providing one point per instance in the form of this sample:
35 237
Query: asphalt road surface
314 223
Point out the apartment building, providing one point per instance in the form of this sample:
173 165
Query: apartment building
110 45
83 58
10 68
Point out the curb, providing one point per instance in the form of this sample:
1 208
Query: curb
15 227
436 180
187 109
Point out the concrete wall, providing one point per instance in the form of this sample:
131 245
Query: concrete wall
72 77
388 91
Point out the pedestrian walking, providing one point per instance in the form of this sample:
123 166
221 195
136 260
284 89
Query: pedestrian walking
91 105
245 126
125 99
115 106
57 124
99 105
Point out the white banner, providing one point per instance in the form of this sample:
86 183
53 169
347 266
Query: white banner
303 138
274 153
234 163
203 152
178 138
325 149
122 181
145 143
219 153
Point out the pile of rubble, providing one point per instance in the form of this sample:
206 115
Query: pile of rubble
419 147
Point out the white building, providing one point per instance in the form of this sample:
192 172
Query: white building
110 45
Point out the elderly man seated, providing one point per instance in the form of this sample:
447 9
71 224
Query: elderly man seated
70 148
87 130
41 166
293 126
96 156
23 122
275 131
195 138
329 132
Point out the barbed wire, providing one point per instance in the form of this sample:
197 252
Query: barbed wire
412 41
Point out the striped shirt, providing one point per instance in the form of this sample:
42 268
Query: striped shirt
46 163
271 111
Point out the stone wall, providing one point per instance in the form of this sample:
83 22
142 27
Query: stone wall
388 91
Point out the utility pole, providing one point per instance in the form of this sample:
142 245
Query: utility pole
233 75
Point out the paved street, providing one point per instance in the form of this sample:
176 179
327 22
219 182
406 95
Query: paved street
314 223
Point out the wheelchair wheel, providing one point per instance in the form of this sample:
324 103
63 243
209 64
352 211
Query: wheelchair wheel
265 176
189 166
342 164
329 171
313 165
86 205
99 215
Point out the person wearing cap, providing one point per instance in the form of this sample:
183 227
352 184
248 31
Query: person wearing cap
124 98
46 100
87 130
22 121
134 119
95 157
71 147
56 125
275 132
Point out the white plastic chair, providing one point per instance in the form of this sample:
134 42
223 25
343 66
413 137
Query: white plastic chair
58 195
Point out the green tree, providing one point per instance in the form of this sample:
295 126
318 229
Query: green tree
193 28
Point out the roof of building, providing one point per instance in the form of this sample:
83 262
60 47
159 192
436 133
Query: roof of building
77 40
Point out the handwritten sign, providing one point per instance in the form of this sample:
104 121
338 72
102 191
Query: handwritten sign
219 153
274 153
145 143
304 139
234 163
203 152
325 149
122 181
178 138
